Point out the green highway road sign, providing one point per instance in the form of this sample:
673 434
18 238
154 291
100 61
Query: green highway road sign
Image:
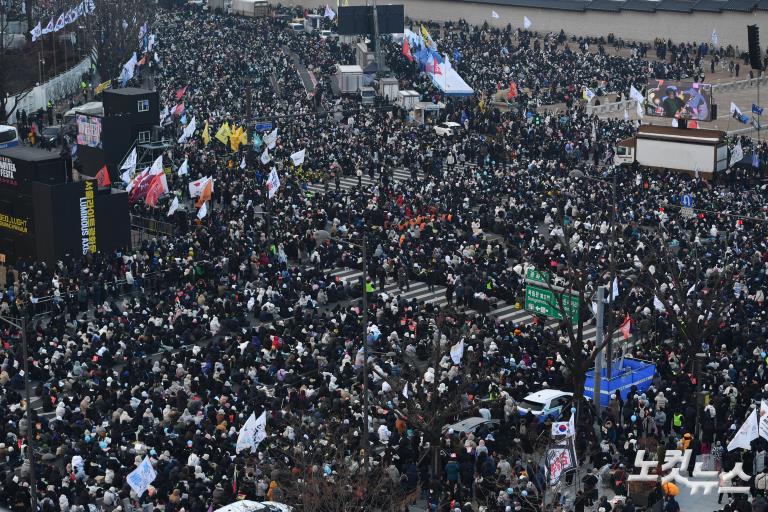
544 301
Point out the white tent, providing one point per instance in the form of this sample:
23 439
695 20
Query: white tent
450 83
254 506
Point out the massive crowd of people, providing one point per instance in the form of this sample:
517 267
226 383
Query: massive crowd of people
165 349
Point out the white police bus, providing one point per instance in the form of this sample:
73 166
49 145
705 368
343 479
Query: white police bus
9 136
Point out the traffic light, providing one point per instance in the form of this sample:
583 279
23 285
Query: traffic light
537 119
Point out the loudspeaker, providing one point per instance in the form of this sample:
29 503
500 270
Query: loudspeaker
753 36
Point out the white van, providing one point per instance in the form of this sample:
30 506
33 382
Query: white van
547 403
94 108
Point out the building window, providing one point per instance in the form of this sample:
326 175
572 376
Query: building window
144 137
143 105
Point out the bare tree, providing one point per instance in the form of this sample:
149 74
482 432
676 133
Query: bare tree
430 406
115 29
329 477
694 298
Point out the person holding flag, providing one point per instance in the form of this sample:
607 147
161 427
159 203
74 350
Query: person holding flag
223 134
102 177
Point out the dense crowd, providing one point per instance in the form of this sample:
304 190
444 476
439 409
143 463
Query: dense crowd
166 349
551 68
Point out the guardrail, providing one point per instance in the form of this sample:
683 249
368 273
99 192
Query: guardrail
717 88
154 226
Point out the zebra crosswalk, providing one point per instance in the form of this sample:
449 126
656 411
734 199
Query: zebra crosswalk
350 182
501 311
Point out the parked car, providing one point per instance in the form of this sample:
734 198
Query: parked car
545 403
52 135
470 425
447 129
326 34
255 506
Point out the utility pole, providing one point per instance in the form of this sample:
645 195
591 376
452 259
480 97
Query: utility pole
366 443
599 339
612 266
248 116
28 8
376 46
22 327
30 426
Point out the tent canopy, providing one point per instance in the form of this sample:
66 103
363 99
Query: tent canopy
450 83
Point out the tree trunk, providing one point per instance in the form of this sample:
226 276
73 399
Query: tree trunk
28 5
578 377
435 449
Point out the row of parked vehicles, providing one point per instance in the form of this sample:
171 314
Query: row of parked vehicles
544 404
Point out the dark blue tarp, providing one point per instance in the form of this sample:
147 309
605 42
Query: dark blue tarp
633 373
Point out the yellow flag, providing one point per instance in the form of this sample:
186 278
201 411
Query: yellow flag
103 86
346 3
234 138
206 134
243 136
223 134
425 36
237 138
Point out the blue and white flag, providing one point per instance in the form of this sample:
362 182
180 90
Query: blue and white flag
273 182
737 154
329 12
757 109
128 69
527 23
755 160
457 352
60 23
140 478
174 206
270 139
298 157
188 131
184 167
253 433
36 32
714 37
49 27
71 16
256 141
129 165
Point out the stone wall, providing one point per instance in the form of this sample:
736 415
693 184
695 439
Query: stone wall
639 26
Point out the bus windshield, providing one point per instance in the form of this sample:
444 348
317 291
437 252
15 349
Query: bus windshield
9 137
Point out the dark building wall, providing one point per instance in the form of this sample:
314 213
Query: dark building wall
47 221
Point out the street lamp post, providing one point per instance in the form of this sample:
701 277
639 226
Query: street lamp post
366 442
366 434
22 326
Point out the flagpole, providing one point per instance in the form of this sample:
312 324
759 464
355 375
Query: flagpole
40 59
